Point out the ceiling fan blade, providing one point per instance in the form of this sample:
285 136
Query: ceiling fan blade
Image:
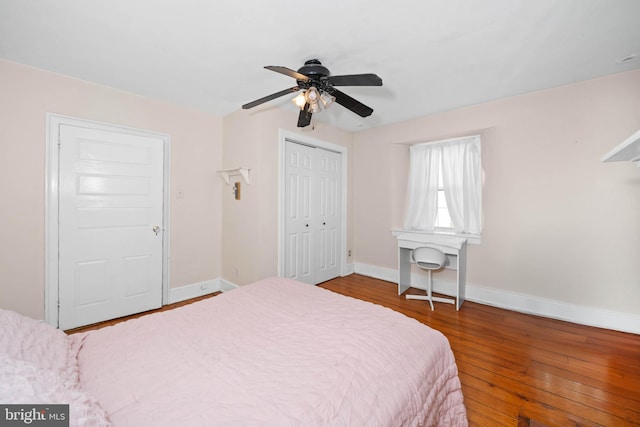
270 97
304 119
287 72
355 80
352 104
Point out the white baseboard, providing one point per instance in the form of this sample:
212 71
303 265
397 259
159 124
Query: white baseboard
348 269
590 316
226 286
194 290
524 303
382 273
199 289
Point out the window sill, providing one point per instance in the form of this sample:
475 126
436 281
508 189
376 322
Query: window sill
473 239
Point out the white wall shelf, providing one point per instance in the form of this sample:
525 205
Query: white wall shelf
227 173
628 150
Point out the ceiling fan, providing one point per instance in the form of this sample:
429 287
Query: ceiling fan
318 91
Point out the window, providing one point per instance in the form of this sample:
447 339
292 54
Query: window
444 191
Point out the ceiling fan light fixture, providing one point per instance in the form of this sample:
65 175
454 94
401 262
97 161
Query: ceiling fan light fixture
314 107
300 100
312 95
327 99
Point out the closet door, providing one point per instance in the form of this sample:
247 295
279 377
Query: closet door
312 217
299 249
328 215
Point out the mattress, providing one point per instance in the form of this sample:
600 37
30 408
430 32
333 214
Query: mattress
273 353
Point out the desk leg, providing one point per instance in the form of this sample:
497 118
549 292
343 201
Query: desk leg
404 270
462 273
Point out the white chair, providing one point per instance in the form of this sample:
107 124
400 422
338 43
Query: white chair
429 259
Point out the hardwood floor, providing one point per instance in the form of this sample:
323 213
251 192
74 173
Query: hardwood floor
133 316
511 364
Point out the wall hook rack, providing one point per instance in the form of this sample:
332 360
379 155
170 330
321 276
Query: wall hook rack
227 173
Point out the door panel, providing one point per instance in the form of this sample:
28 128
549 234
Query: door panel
312 203
328 220
299 205
110 198
93 275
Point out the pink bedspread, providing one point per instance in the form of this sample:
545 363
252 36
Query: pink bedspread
273 353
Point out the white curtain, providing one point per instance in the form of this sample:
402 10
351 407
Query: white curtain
424 167
461 175
461 179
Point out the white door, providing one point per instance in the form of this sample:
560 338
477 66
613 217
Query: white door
298 212
312 213
328 215
110 224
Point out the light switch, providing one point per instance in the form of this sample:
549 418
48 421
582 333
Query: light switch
179 194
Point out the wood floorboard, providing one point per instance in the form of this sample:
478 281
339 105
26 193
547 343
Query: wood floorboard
479 414
134 316
513 364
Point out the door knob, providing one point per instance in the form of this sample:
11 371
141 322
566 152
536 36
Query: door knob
156 229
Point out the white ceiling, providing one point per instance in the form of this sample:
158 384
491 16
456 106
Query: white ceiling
432 55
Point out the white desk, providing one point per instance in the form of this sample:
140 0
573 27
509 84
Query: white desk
454 247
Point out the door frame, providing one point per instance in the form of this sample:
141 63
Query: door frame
51 232
284 136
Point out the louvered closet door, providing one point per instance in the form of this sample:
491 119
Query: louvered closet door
312 217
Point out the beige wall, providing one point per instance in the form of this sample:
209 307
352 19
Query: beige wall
559 224
26 95
250 225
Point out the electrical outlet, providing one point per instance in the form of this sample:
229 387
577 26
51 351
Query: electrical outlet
204 286
349 252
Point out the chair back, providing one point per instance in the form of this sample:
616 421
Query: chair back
429 258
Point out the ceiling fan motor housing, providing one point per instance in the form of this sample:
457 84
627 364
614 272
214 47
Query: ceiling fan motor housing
313 69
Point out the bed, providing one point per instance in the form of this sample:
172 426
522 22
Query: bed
273 353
